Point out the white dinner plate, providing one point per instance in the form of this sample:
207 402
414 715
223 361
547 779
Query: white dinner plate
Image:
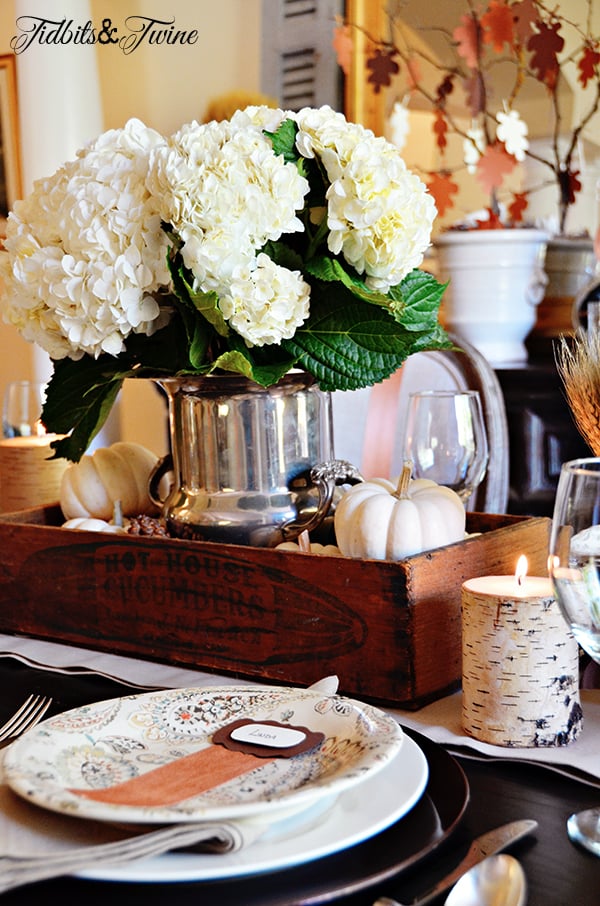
325 828
110 742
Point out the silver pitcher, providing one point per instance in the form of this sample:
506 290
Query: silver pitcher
250 464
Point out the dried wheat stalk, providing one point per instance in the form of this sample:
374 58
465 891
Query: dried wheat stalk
578 363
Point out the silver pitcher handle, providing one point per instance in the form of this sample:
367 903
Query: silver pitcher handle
325 477
162 468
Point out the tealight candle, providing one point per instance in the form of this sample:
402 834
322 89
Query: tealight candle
520 673
28 478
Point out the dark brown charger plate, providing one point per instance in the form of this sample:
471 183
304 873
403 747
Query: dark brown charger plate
385 856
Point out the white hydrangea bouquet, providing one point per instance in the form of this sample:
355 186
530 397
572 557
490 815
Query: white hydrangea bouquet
269 241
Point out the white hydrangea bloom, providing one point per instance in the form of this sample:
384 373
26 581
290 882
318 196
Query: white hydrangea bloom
86 251
379 214
266 303
225 194
512 130
473 147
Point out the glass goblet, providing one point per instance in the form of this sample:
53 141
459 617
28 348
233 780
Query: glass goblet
446 440
574 567
22 409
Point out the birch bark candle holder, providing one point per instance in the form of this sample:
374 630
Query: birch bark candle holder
520 664
28 477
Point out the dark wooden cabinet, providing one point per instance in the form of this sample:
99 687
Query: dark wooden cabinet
542 435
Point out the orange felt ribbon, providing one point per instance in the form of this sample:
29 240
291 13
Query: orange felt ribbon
178 780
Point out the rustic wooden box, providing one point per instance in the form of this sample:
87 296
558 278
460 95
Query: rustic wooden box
390 631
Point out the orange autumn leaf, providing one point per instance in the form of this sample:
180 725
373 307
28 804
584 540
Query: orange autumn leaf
382 67
343 46
492 222
494 164
442 189
440 128
467 36
498 25
588 65
525 15
545 45
518 206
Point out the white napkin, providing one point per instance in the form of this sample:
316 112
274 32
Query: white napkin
36 844
441 722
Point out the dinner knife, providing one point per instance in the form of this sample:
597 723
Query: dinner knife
486 845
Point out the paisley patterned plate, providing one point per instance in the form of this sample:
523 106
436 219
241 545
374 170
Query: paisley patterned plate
83 752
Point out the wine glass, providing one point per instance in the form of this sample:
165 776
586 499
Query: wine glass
446 439
574 567
22 409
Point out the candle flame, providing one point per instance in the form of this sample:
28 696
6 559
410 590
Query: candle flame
521 570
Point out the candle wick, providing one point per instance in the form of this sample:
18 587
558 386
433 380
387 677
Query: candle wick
519 580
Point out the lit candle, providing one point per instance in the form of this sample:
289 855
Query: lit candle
28 477
520 663
516 587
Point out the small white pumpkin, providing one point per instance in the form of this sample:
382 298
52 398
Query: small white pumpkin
92 486
89 524
380 520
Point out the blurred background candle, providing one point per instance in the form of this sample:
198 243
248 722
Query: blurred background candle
28 478
520 669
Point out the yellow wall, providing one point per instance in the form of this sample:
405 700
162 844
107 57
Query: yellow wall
166 86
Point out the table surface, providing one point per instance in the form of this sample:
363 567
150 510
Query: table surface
558 873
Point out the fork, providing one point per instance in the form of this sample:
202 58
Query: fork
27 716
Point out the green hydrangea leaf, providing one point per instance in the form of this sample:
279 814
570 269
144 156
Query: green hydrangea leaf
416 299
283 140
79 398
331 270
347 346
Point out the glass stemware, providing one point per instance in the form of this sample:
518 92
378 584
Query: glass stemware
22 409
574 567
446 440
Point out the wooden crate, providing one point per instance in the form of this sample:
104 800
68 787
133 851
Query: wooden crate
390 631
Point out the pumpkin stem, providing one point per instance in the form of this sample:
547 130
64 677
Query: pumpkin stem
403 482
118 514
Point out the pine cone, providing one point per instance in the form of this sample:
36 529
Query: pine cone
149 526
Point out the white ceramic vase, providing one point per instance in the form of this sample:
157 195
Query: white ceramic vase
496 281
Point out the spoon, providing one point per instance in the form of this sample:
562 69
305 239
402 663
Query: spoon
497 881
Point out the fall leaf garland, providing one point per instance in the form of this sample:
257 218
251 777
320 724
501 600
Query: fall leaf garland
528 34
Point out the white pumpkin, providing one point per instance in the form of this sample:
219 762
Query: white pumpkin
381 520
89 524
92 486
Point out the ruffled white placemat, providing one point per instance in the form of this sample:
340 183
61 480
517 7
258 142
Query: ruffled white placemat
441 722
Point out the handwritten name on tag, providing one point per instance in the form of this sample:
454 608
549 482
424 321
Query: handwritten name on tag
269 735
266 738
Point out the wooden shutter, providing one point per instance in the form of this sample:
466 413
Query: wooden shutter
299 66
